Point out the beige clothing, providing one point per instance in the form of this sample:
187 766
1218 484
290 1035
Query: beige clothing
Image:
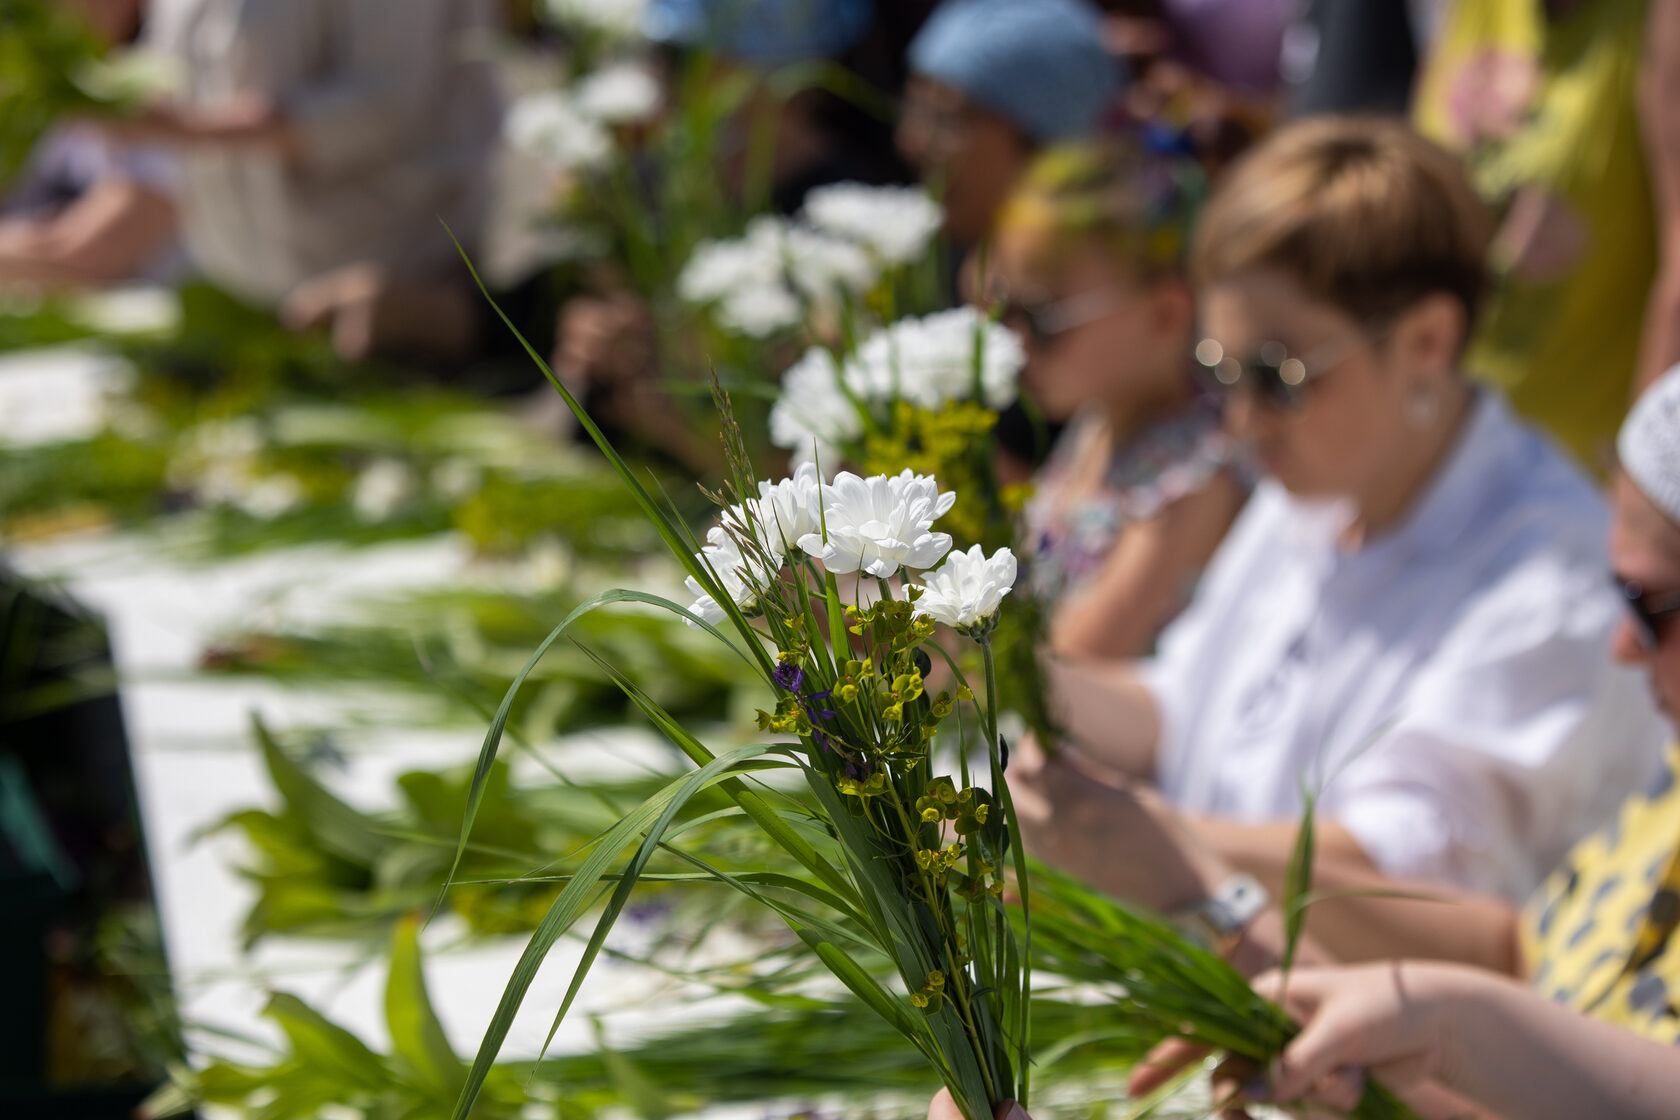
397 114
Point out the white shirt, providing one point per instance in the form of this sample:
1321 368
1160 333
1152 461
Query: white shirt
1447 689
397 119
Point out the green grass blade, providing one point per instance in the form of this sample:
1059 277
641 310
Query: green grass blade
1297 881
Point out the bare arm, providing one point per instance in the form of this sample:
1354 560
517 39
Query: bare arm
1107 712
1359 914
1659 103
1481 1036
107 235
1144 579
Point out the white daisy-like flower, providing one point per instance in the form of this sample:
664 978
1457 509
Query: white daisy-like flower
268 496
896 224
620 19
621 93
881 524
967 590
932 360
549 127
814 416
737 576
383 487
788 510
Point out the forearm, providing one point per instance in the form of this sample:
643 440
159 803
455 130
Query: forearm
1357 913
1108 712
1522 1055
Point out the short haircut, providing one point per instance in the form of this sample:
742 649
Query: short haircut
1362 212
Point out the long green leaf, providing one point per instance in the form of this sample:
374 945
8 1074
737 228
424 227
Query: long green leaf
416 1035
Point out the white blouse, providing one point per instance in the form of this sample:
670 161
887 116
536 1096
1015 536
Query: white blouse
1447 689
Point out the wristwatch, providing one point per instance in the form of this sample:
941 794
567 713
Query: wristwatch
1217 922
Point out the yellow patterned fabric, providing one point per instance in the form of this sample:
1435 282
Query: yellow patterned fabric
1599 933
1545 113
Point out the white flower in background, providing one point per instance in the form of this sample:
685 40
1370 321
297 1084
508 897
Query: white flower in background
621 93
550 128
827 268
813 416
931 361
758 312
719 268
457 478
881 524
967 590
269 496
788 510
896 224
382 488
620 19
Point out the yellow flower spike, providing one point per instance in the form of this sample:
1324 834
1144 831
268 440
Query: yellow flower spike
847 693
917 999
964 692
931 815
936 980
966 794
894 712
981 812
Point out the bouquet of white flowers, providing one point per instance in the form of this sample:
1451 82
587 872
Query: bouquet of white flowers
831 592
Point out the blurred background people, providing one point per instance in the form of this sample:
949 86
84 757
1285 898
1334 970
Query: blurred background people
1411 612
1088 266
89 210
1542 98
321 144
992 82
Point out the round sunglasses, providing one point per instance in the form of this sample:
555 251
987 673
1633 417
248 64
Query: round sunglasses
1276 377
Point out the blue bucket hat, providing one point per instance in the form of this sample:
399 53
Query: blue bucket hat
1038 63
763 32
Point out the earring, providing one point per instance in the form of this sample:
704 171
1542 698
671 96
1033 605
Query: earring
1423 408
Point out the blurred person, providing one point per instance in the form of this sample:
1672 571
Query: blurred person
88 210
1409 615
992 82
1088 264
605 339
1595 945
1354 56
322 142
1544 99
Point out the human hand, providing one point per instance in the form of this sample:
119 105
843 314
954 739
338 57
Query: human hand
1119 836
1392 1021
943 1107
606 343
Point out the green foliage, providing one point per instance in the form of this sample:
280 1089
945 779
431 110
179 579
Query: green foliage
42 48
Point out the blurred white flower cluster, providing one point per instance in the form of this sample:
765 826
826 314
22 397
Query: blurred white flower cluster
219 463
571 130
928 362
880 526
843 242
615 19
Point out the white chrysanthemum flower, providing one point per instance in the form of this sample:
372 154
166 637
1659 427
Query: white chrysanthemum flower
931 361
382 488
813 416
896 224
620 19
827 268
622 93
550 128
738 577
967 590
788 510
880 524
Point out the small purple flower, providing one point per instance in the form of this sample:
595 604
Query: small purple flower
790 677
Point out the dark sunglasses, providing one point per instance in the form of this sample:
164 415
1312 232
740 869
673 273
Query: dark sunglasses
1275 376
1048 320
1650 617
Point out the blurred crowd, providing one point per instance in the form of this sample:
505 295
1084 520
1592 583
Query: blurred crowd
1354 463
